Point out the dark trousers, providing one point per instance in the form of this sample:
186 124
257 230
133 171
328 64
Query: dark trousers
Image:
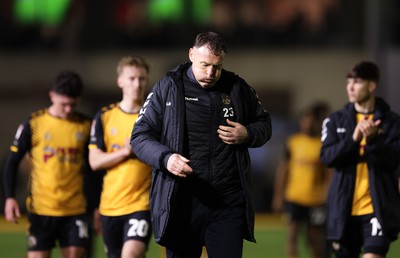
217 225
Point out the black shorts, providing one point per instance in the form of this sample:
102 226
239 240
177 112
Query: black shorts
45 231
363 233
220 227
315 216
119 229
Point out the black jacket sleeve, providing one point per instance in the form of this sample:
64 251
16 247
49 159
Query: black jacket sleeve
147 139
258 121
97 132
384 149
338 148
21 144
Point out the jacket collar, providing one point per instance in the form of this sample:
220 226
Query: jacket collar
381 107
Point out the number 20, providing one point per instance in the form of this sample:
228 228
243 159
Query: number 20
138 228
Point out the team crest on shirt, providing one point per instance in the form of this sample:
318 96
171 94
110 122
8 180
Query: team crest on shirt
47 136
226 100
113 131
79 136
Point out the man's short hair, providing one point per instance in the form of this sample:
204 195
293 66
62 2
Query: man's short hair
68 83
214 41
136 61
365 70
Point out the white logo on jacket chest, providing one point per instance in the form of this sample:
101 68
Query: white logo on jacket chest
191 99
340 130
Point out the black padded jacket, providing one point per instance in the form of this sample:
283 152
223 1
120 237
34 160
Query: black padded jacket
159 132
382 155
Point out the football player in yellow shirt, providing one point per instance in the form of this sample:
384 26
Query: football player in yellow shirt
302 182
56 140
124 203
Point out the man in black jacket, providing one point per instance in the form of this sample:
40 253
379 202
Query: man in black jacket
194 130
362 142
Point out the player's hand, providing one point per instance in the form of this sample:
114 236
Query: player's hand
127 149
234 133
12 211
366 129
178 166
277 204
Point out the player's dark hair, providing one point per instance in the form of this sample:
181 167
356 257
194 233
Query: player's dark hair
365 70
68 83
214 41
320 110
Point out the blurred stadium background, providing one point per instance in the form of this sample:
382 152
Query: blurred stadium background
292 52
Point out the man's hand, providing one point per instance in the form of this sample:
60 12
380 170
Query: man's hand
11 210
235 133
178 166
127 149
366 129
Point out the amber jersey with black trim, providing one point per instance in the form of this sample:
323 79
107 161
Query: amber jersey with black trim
306 179
57 151
362 201
126 186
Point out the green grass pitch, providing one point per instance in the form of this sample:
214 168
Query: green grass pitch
270 234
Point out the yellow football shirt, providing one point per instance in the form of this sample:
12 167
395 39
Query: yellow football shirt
58 149
362 202
306 178
126 186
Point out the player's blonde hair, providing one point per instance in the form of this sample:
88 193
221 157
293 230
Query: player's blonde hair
132 61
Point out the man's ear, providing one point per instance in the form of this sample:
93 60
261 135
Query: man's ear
119 82
191 54
51 95
372 86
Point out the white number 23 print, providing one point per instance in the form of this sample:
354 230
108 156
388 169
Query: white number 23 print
228 112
